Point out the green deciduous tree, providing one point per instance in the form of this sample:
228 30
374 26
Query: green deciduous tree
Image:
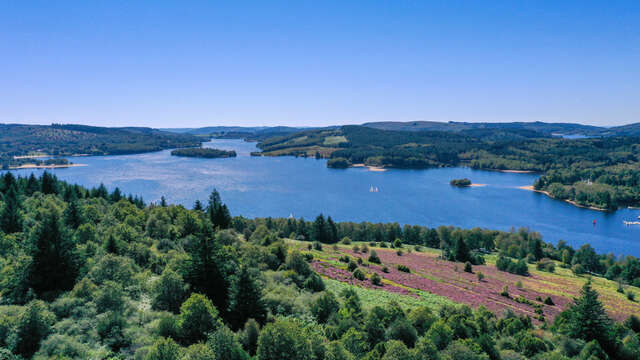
168 292
198 317
283 339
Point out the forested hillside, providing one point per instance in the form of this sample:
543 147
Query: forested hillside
92 274
65 140
603 172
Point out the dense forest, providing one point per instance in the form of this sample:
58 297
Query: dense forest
603 172
208 153
66 140
95 274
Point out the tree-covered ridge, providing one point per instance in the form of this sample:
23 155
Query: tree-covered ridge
208 153
88 273
601 172
66 140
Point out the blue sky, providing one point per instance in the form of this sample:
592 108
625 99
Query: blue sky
188 63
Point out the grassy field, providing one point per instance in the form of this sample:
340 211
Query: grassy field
435 282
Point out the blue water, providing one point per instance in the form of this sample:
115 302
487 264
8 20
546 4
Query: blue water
278 187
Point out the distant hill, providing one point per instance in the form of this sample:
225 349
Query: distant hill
211 130
65 140
452 126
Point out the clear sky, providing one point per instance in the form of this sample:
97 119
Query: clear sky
188 63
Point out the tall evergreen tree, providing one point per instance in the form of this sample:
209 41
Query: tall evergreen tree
48 183
587 318
205 269
7 181
319 232
54 265
32 185
218 212
72 217
10 216
116 195
198 206
461 251
332 231
246 299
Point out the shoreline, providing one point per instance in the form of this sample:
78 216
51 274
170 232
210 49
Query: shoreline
34 166
369 167
530 188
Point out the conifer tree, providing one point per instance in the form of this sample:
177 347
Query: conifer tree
204 269
72 216
246 299
32 185
54 265
10 216
587 318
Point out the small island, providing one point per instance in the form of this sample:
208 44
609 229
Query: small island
460 182
208 153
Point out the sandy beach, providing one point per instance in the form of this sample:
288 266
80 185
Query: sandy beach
477 185
371 168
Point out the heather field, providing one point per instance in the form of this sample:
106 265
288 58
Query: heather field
440 281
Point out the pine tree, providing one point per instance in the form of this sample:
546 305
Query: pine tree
111 245
588 320
332 231
461 251
116 195
246 299
72 216
54 265
7 181
198 206
319 232
10 216
204 269
218 212
32 185
48 183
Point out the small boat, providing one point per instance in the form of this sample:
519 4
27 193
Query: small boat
631 222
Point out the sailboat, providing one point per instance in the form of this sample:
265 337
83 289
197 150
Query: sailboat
371 189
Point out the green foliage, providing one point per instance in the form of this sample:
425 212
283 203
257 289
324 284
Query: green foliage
397 350
226 346
10 216
164 349
55 264
246 298
208 153
283 339
324 307
34 324
587 319
168 292
198 317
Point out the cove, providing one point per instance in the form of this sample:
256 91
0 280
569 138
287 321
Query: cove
284 186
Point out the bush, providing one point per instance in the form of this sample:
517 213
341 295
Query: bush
578 269
505 291
385 269
376 279
373 257
352 266
346 240
402 330
549 301
359 274
480 276
467 267
631 295
404 268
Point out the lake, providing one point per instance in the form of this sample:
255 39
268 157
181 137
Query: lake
284 186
